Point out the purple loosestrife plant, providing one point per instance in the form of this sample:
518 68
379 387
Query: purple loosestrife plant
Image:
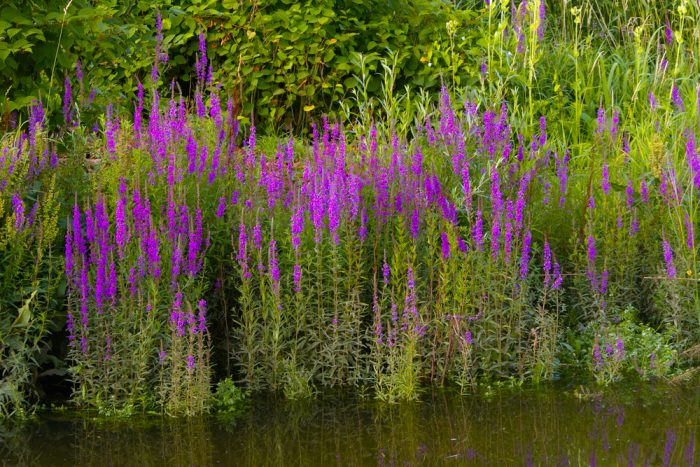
478 232
68 103
668 259
445 246
547 263
274 265
18 211
676 98
605 180
525 254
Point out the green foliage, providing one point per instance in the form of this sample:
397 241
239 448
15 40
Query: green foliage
467 316
228 400
621 347
31 285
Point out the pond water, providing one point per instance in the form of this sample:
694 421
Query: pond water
646 425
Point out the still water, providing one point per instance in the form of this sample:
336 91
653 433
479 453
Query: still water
646 425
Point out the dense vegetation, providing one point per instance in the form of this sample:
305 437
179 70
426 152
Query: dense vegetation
384 197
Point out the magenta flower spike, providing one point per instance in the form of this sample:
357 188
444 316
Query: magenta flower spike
445 246
676 98
590 242
525 254
668 259
547 263
629 193
478 232
605 181
18 209
274 265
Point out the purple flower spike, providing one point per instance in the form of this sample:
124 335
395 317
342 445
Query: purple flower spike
274 265
221 208
605 183
620 347
386 271
597 358
676 98
297 278
445 244
478 232
668 259
415 224
547 263
525 254
591 252
18 208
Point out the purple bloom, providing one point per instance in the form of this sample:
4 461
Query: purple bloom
478 232
297 226
556 274
194 244
690 232
274 265
644 190
591 252
495 238
67 102
653 102
597 358
605 184
362 230
620 346
121 227
668 259
668 33
508 232
79 72
445 244
547 262
525 254
297 278
591 202
604 282
202 318
676 98
386 271
70 327
221 208
201 64
466 186
415 224
634 227
496 196
543 127
461 245
18 208
608 349
629 192
601 120
69 255
615 122
257 236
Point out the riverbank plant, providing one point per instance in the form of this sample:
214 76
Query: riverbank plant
454 237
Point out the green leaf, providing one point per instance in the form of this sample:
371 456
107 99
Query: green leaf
24 314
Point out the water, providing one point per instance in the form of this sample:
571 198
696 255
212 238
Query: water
646 425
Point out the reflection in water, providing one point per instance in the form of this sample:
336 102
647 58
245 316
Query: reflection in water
648 426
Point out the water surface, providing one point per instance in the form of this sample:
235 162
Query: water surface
646 425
